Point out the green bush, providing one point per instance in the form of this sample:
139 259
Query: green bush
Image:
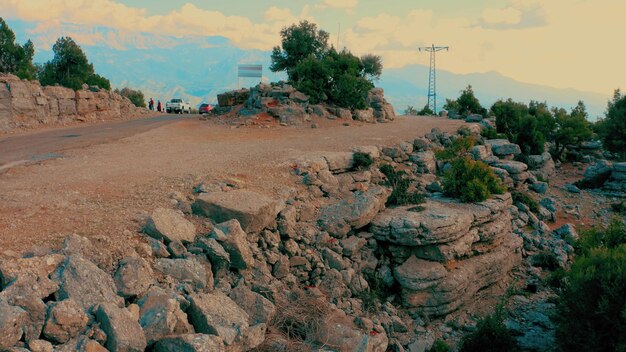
135 96
426 111
619 208
525 199
612 236
400 194
440 346
471 181
492 133
466 104
491 335
361 160
546 260
591 310
556 278
459 147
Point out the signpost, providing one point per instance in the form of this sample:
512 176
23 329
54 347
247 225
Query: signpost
249 71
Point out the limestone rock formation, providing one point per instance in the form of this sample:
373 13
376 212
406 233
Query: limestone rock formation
25 104
475 236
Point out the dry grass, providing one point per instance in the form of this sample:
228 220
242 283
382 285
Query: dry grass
299 321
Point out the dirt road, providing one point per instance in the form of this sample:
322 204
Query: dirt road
48 144
102 186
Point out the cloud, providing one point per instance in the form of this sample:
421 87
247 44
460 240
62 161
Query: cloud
529 40
276 14
526 40
338 4
518 14
508 15
188 20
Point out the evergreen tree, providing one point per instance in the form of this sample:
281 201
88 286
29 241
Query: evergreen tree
323 73
614 125
15 59
298 43
70 67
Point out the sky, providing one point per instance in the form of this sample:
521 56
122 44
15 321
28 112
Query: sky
559 43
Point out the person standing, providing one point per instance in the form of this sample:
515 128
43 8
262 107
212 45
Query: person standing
159 106
151 104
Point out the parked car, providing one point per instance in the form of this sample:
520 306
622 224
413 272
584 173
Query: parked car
205 108
178 106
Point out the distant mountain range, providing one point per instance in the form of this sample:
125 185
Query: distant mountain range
199 68
409 86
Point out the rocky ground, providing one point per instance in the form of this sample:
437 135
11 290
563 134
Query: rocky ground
106 189
287 242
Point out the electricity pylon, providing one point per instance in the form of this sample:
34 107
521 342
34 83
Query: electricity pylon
432 78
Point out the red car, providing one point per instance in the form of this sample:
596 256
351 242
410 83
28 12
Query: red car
205 108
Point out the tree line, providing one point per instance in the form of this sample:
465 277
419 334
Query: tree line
68 68
532 125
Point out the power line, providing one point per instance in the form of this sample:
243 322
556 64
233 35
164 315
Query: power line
432 78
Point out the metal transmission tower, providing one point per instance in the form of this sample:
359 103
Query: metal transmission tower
432 78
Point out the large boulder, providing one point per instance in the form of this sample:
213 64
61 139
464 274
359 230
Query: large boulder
512 167
619 172
542 165
215 252
259 308
124 334
334 333
11 320
366 115
160 316
170 225
602 168
438 294
291 114
354 212
439 222
339 162
502 147
66 319
253 210
216 314
133 277
235 242
426 160
186 270
99 255
18 275
85 283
